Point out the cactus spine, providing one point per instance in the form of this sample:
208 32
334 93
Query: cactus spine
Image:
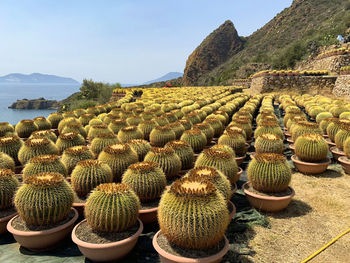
8 187
311 147
184 151
54 119
112 208
269 143
75 154
88 174
342 134
44 199
35 147
70 139
11 146
25 128
195 138
43 123
269 172
235 140
141 147
201 218
6 162
44 134
101 141
6 129
146 179
160 135
129 133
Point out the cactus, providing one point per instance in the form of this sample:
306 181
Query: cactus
25 128
193 118
129 133
311 147
141 147
342 134
101 141
117 125
79 112
186 124
6 162
146 127
235 140
202 219
160 135
207 130
11 145
118 156
333 127
184 151
303 127
44 199
112 208
217 178
95 121
237 129
269 143
74 127
344 115
224 148
88 174
44 134
269 172
323 115
69 114
35 147
220 117
75 154
65 121
43 123
146 179
245 124
133 120
269 127
195 138
96 130
221 160
85 118
8 187
167 160
161 120
6 129
346 147
146 116
70 139
170 116
55 119
44 163
177 128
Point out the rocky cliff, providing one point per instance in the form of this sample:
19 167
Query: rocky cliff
215 49
35 104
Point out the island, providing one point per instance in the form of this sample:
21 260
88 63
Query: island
34 104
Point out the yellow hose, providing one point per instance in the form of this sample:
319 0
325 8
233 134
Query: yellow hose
324 247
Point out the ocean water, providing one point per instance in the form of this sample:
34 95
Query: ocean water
9 93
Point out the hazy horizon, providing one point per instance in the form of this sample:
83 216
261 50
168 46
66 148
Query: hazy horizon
117 41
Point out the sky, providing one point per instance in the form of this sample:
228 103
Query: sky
126 41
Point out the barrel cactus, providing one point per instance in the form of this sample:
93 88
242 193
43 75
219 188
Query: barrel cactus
246 125
35 147
112 207
160 135
203 219
311 147
6 129
235 140
269 172
207 130
44 199
269 127
184 151
88 174
25 128
167 160
11 145
216 124
146 179
177 128
342 134
118 156
141 147
69 139
44 163
129 133
214 176
146 127
323 115
96 130
303 127
221 160
75 154
195 138
6 162
43 123
54 119
64 122
117 125
75 127
186 124
8 188
269 143
44 134
101 141
223 147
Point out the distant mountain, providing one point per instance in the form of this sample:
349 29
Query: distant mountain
169 76
36 78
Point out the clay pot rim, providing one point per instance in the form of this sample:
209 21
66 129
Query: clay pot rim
263 197
7 218
241 157
342 159
148 210
290 140
79 204
14 231
292 146
334 150
88 245
172 257
234 209
294 159
234 188
288 134
240 171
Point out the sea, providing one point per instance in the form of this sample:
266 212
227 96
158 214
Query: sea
11 92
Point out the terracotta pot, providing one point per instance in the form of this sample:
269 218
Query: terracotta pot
45 239
233 188
80 208
55 131
267 203
109 251
252 155
336 153
285 129
290 140
310 168
166 257
231 208
288 134
148 215
247 145
18 169
4 221
330 143
292 147
250 141
240 171
345 163
325 136
240 159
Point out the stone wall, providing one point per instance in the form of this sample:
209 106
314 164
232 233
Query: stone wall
240 83
303 84
332 64
342 87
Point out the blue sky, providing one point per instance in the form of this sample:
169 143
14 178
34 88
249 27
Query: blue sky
116 41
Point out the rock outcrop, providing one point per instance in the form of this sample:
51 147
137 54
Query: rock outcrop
35 104
215 49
